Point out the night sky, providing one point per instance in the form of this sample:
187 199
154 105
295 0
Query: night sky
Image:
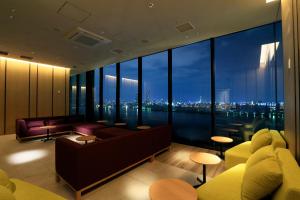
239 77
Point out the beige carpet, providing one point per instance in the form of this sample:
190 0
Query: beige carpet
34 162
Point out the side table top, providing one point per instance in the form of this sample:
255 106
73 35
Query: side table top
221 139
86 138
47 127
172 189
120 124
205 158
143 127
102 121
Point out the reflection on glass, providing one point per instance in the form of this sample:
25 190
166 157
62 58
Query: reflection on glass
129 92
96 92
73 95
245 82
155 89
109 92
191 93
82 95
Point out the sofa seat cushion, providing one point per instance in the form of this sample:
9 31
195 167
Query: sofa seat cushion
27 191
35 123
61 128
87 128
34 131
112 132
237 154
224 186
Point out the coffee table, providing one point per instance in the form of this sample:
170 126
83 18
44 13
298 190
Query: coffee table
172 189
144 127
48 132
221 140
86 138
204 159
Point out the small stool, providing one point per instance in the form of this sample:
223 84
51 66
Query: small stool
221 140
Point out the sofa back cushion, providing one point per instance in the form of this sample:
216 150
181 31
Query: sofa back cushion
56 121
5 182
5 194
260 139
35 123
259 155
277 139
290 187
261 131
261 179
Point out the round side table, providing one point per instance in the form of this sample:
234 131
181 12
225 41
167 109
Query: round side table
172 189
221 140
86 138
204 159
102 121
120 124
144 127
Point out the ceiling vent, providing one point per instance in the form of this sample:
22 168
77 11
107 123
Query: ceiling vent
86 38
117 51
185 27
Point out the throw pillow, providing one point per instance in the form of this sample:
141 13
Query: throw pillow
261 179
259 155
261 140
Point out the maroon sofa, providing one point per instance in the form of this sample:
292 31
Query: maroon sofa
83 166
30 127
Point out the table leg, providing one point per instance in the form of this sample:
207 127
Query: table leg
204 174
221 151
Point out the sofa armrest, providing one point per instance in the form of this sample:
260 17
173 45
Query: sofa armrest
21 128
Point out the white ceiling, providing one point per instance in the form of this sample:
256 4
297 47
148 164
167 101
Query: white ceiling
38 30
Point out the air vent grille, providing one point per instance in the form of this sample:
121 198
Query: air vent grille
26 57
86 38
185 27
117 51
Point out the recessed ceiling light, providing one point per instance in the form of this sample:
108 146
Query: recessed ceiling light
11 17
269 1
13 10
150 4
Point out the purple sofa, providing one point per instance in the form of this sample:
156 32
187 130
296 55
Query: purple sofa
116 150
30 127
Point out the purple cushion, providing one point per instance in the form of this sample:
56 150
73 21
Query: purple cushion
36 131
35 123
56 121
88 128
62 128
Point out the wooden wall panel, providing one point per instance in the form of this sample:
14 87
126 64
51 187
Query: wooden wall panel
59 93
67 91
2 94
44 91
33 90
290 26
17 93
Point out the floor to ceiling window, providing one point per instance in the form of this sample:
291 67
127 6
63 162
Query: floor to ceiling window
82 93
73 92
96 93
192 93
245 81
155 89
129 92
109 92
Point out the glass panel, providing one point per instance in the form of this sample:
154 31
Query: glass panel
73 92
129 92
82 95
96 92
245 82
109 92
192 93
155 89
